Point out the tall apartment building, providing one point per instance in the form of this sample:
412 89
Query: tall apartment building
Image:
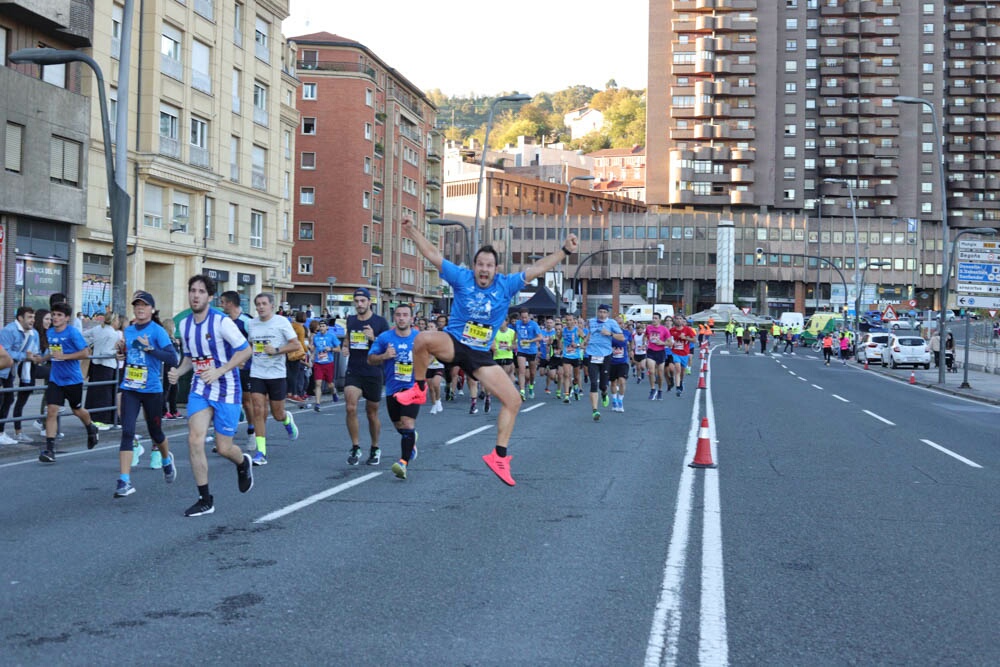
45 179
210 135
368 157
752 105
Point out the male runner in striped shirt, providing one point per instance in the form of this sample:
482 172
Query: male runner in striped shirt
214 348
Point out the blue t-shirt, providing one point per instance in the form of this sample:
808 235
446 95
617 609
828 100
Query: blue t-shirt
571 343
324 347
526 332
398 371
599 344
476 313
143 372
69 340
546 346
619 349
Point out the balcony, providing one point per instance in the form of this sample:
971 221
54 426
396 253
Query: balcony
744 155
198 156
433 210
201 81
261 52
741 198
170 147
336 66
741 175
433 183
260 116
171 67
433 155
258 179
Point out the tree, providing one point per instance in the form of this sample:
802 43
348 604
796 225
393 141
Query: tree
592 141
454 134
571 98
625 120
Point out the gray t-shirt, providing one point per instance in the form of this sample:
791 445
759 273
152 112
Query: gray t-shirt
275 332
103 339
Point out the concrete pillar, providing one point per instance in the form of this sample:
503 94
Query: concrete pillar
725 248
800 297
615 295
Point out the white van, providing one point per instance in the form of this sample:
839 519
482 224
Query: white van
644 313
792 320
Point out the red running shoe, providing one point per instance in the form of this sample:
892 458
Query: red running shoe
412 396
500 465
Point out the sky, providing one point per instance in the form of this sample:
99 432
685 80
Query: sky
468 46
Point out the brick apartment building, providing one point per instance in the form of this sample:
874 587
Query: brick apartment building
368 156
621 171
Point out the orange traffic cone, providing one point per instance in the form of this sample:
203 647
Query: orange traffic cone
704 365
866 363
703 454
701 381
913 377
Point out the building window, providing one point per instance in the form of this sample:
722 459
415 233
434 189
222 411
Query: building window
236 91
307 196
791 66
308 125
366 199
199 142
201 66
368 165
152 206
258 167
117 12
234 216
368 131
12 147
260 103
261 48
209 218
308 91
180 214
308 161
365 238
64 161
234 159
305 265
256 229
238 25
369 97
789 151
306 231
170 52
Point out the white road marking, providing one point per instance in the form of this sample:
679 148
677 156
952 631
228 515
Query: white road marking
713 643
951 453
803 379
533 407
881 419
315 498
791 372
469 434
818 387
60 456
665 633
840 398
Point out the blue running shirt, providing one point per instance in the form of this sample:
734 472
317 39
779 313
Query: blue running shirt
476 313
69 340
143 372
398 371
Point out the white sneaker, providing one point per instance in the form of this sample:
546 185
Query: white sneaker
137 451
23 437
7 440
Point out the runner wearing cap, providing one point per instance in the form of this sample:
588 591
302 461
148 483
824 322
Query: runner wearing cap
600 332
362 379
482 297
146 347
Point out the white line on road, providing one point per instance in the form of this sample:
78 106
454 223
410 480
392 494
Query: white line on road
791 372
713 643
803 379
881 419
316 498
951 453
468 435
62 455
665 633
840 398
818 387
533 407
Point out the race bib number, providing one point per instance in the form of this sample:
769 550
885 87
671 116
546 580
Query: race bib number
201 364
258 347
618 352
322 357
403 372
597 360
136 376
476 334
525 343
358 340
503 345
55 348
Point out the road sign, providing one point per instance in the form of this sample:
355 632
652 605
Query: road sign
889 313
976 288
912 303
977 245
978 272
993 314
966 301
971 256
746 310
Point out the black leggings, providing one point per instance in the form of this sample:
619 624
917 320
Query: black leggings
599 374
827 353
152 407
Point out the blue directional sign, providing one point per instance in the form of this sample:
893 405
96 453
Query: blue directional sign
972 272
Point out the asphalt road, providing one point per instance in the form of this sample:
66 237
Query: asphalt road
826 536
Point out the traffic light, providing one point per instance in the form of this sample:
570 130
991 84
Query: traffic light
760 256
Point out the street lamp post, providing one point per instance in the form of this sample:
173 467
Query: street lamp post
586 258
482 157
819 247
565 228
906 99
443 222
978 231
118 197
331 281
857 253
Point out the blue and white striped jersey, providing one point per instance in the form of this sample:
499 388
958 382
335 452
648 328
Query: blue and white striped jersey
211 344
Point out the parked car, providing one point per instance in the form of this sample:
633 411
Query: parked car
903 349
870 347
896 325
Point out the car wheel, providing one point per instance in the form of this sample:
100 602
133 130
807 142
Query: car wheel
927 367
892 363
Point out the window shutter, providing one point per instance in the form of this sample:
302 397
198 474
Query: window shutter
71 162
55 158
12 147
